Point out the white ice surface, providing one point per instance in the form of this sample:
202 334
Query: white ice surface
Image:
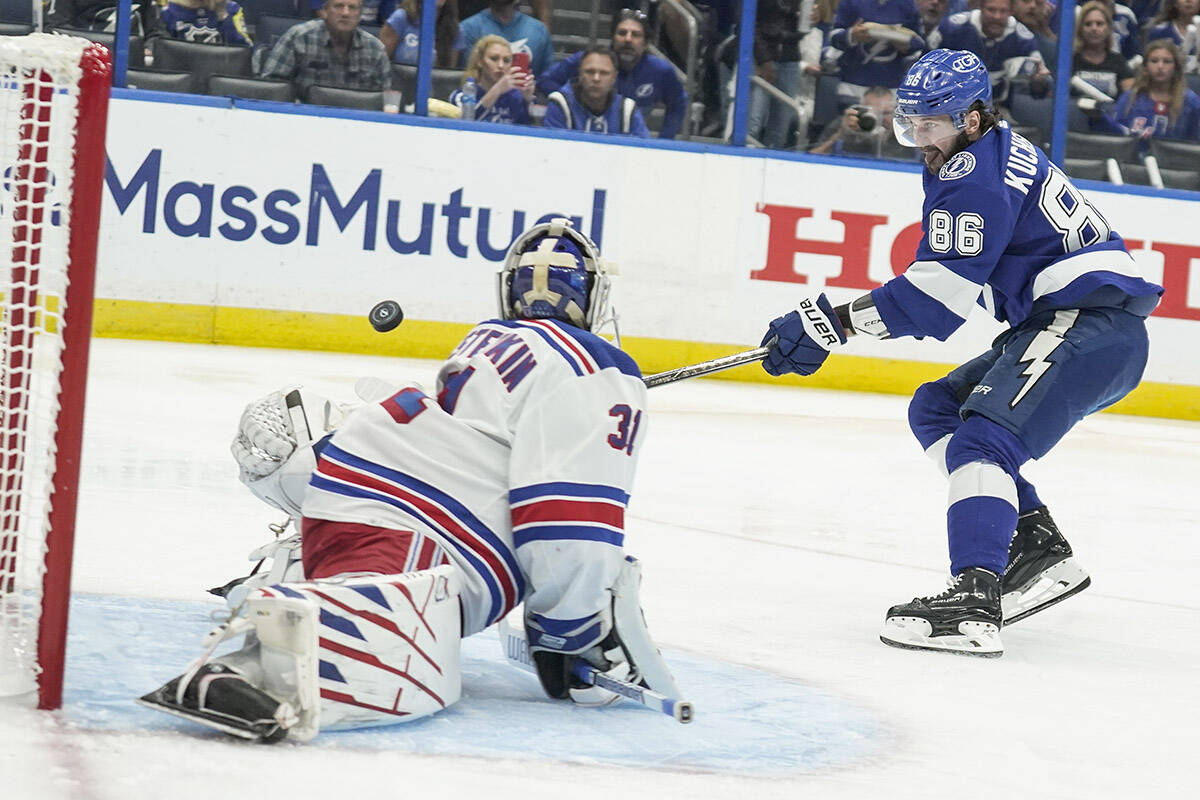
776 526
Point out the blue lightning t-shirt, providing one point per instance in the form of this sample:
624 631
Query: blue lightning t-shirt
1005 229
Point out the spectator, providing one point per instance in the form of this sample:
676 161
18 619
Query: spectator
332 51
1040 16
1159 104
866 129
1008 49
206 22
401 35
591 102
1173 21
523 32
101 15
1144 11
1177 21
932 13
542 9
1126 36
375 12
1095 62
878 40
777 61
647 79
502 91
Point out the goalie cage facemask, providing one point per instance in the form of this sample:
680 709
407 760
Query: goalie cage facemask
553 271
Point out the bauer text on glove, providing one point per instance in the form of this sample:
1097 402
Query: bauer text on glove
803 338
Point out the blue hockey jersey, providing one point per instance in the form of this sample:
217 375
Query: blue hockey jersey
1141 115
510 108
192 23
875 63
651 81
1005 229
1002 56
565 111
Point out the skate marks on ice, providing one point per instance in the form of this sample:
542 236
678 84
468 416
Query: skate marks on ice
747 722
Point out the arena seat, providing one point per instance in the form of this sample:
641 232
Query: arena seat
252 88
160 80
344 98
442 83
201 60
1176 153
1102 145
1088 169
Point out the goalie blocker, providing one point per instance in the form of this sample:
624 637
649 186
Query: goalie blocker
332 654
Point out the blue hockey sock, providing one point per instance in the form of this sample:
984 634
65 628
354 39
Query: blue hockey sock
980 529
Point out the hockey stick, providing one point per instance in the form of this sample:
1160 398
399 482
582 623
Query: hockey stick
387 314
516 650
705 367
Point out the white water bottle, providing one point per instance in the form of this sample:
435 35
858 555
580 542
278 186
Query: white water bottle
467 100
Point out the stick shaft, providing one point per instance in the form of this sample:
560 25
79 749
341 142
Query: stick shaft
706 367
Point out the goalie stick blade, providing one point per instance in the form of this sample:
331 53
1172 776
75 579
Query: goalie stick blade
241 729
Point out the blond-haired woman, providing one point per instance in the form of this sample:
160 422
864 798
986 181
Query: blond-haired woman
1095 61
502 91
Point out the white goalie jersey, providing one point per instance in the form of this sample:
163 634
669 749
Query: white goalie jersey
519 469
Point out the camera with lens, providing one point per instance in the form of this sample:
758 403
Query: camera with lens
868 118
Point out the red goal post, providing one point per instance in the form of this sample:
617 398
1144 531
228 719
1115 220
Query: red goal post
53 115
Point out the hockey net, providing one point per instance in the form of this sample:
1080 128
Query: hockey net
53 109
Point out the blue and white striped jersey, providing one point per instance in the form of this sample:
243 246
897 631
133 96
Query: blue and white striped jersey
520 468
1005 228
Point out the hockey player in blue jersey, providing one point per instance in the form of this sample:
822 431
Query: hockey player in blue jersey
1004 229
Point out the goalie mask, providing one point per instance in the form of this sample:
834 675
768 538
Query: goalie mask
553 271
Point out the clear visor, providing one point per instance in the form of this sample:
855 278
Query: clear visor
916 131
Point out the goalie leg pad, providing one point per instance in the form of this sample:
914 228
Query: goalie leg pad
387 646
630 625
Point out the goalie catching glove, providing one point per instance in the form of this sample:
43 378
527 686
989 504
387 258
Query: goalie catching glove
272 448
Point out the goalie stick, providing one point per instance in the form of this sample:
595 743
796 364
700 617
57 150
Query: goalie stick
516 650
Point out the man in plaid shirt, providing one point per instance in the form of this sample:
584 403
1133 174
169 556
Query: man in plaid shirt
331 52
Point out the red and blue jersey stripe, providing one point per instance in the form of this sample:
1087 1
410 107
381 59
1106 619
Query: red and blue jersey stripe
568 511
340 472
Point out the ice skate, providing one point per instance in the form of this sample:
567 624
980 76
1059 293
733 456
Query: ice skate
220 698
1041 568
965 619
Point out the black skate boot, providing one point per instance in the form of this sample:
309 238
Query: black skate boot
964 619
221 698
1041 568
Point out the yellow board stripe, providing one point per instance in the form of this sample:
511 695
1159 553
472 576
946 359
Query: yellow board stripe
306 330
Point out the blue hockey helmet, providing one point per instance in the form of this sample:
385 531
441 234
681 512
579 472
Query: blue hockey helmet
940 82
553 271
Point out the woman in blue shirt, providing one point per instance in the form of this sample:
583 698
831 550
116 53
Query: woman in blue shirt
401 34
502 91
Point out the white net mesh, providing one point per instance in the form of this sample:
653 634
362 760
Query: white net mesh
39 77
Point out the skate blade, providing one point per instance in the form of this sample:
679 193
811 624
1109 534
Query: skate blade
151 701
1063 580
979 639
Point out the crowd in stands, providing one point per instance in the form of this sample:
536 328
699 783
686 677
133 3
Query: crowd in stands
823 81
